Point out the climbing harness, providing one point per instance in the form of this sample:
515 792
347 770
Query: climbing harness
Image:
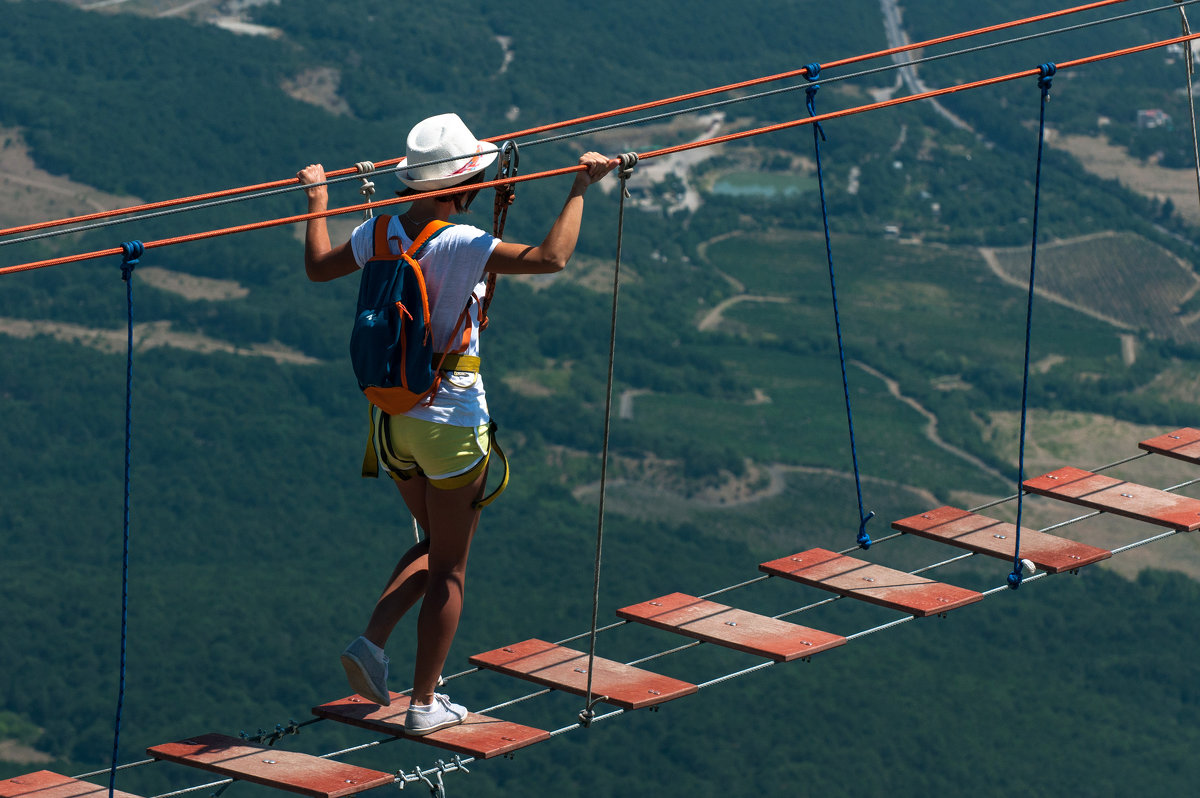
863 539
1045 78
625 171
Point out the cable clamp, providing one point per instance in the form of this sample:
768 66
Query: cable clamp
437 790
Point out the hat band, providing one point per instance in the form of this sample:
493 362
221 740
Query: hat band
469 164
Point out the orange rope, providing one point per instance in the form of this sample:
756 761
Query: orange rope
304 217
923 96
641 156
28 228
803 71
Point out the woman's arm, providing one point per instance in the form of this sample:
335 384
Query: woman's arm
321 261
556 249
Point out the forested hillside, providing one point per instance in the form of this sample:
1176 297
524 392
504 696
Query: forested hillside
257 550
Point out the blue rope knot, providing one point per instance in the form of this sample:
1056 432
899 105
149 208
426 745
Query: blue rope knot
811 103
864 539
1046 72
1014 579
812 71
133 251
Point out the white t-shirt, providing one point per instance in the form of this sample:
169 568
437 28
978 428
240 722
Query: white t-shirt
453 267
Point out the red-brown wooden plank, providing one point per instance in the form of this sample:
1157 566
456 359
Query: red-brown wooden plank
48 784
1182 444
565 669
733 628
984 535
479 735
1119 497
284 770
876 584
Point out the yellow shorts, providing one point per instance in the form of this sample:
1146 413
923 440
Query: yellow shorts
449 456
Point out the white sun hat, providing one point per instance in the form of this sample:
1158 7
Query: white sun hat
442 153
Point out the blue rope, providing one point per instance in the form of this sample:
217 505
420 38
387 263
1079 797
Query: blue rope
133 252
864 539
1046 74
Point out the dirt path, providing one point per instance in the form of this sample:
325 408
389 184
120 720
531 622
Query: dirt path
29 194
931 425
713 317
148 336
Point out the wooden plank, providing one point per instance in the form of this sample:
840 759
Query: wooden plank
984 535
479 736
565 669
1182 444
733 628
1119 497
48 784
260 764
872 583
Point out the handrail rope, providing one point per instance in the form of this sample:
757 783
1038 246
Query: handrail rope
354 171
890 67
764 577
132 251
1045 79
643 156
291 186
628 162
1190 69
216 203
864 539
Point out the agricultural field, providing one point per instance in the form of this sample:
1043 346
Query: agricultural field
1121 277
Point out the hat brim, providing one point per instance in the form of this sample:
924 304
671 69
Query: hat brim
482 159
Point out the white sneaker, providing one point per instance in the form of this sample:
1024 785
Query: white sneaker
367 671
441 714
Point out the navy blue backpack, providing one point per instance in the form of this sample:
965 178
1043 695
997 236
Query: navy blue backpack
391 345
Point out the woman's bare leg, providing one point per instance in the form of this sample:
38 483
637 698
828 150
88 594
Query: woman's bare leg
407 584
452 523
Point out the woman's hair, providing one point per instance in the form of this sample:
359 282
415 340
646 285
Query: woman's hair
462 200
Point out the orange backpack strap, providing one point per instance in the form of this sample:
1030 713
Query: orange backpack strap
383 245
